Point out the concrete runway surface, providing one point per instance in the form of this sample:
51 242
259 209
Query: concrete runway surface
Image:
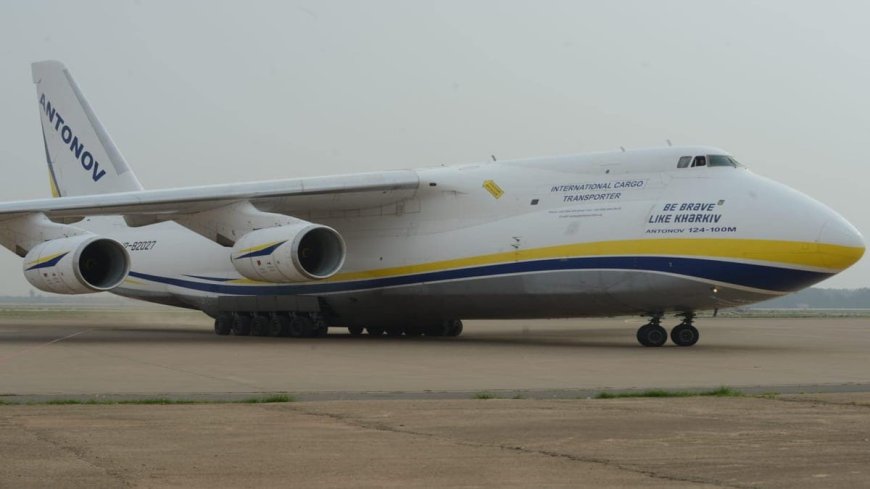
432 434
156 352
792 442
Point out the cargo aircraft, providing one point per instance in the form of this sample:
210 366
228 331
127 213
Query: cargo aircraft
659 233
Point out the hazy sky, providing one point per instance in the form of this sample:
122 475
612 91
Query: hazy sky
210 92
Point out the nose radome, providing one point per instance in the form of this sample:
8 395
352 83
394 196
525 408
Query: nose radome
841 242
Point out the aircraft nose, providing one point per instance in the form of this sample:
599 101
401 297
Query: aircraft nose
840 242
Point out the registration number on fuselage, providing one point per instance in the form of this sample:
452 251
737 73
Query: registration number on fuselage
139 245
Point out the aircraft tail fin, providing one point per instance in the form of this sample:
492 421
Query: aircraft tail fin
82 158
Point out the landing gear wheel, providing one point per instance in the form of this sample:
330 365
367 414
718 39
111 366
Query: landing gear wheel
319 327
355 330
279 325
223 324
374 331
242 325
260 326
685 335
454 328
306 326
652 335
296 328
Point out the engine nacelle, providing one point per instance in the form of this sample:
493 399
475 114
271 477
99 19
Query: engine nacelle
77 265
298 252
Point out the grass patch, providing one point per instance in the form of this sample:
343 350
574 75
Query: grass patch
720 392
485 395
272 398
268 399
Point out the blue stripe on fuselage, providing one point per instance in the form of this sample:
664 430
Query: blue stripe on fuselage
763 277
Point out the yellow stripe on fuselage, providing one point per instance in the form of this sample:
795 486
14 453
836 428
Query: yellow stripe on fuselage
833 258
815 255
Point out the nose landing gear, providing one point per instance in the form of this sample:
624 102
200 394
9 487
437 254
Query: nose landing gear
653 334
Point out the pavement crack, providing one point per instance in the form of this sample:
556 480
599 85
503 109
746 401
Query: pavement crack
78 453
824 402
382 427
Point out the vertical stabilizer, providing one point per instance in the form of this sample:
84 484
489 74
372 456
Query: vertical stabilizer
82 158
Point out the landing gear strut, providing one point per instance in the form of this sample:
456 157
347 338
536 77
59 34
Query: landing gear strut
652 333
684 334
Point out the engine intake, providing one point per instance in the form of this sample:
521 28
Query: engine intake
298 252
77 265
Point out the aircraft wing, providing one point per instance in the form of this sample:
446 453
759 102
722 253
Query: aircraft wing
290 197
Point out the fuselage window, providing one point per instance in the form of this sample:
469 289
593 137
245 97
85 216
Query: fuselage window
699 161
684 161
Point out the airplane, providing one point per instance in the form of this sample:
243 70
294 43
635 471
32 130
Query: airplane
655 232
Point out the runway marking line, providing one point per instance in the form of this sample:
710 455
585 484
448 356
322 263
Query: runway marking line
42 345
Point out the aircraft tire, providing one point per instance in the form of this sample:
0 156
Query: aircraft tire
306 326
296 327
454 328
223 324
355 330
375 331
260 326
242 325
321 329
279 325
652 335
685 335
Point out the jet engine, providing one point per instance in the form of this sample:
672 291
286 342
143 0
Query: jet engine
77 265
297 252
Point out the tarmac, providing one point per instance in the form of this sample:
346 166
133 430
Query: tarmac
409 412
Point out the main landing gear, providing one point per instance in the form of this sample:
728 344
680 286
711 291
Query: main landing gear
312 325
448 328
653 334
294 324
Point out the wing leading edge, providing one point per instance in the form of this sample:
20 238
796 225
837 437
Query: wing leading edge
292 196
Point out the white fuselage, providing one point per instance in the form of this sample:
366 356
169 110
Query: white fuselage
598 234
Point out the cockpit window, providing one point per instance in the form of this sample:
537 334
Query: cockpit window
722 160
684 161
699 161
